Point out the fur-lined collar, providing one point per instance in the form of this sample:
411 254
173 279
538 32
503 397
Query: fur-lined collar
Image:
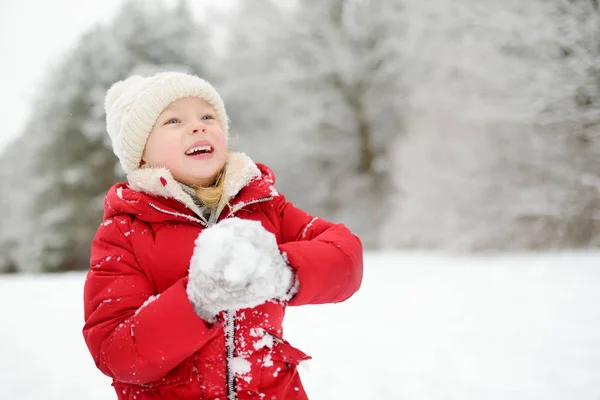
240 171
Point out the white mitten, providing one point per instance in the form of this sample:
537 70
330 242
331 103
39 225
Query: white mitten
236 264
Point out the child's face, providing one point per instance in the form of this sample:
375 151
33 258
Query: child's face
187 140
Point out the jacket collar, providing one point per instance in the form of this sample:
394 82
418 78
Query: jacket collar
241 170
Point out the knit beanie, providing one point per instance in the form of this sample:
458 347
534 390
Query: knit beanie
133 105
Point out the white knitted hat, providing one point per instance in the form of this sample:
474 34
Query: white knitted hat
133 105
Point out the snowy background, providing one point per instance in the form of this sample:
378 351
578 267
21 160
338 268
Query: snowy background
458 138
423 327
26 61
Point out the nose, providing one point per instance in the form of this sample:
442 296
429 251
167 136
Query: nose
198 127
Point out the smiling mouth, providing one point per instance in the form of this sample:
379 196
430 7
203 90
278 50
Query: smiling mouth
198 150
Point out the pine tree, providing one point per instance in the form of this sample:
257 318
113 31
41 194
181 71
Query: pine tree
15 197
497 153
73 164
326 95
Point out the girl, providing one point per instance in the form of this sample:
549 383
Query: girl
199 255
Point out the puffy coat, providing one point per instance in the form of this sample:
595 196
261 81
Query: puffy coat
142 330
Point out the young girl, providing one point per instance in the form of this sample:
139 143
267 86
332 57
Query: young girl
198 255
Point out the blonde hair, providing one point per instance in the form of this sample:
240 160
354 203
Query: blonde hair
211 195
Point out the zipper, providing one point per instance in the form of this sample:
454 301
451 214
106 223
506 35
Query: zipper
230 351
230 315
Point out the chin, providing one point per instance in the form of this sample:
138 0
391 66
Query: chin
203 179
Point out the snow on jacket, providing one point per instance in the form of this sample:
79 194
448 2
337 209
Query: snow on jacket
140 326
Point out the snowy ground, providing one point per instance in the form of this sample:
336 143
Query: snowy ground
422 327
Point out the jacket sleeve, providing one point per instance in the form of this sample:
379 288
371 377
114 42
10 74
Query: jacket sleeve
327 257
135 334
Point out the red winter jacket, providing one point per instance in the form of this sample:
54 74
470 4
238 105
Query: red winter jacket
142 330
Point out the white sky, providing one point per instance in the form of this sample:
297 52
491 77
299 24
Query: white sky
34 34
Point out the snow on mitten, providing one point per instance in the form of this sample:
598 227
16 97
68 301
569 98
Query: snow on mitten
272 277
235 266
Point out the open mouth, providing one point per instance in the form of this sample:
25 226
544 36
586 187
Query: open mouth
199 150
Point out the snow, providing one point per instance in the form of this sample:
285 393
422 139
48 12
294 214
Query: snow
150 300
308 227
236 274
240 366
268 361
421 327
265 341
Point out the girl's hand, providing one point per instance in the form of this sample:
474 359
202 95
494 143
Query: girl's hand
237 264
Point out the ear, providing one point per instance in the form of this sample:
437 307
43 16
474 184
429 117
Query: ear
143 161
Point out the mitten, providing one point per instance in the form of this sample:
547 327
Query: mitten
237 264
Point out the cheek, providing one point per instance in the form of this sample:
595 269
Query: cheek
158 149
223 150
152 146
220 142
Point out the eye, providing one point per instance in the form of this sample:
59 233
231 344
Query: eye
208 116
171 121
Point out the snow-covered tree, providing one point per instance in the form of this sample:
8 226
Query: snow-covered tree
571 125
492 158
72 163
577 36
315 90
15 197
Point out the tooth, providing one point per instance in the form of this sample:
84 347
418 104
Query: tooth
207 148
